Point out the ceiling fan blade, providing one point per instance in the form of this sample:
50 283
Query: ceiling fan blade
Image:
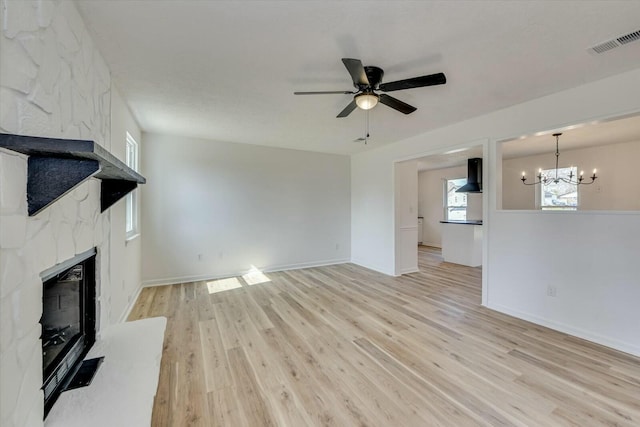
348 109
396 104
326 92
430 80
355 68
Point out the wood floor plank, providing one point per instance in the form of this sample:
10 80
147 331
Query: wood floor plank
223 408
317 401
307 370
142 306
215 365
345 346
249 397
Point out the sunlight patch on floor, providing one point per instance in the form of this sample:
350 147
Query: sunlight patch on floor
221 285
255 276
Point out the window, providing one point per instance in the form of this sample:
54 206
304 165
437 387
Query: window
559 196
132 198
455 204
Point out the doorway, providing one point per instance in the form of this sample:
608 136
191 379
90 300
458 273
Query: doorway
425 196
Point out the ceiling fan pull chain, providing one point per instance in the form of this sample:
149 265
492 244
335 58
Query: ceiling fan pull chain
366 138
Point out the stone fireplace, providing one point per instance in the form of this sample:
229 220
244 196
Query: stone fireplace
28 247
54 83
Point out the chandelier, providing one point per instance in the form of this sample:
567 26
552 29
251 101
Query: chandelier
555 179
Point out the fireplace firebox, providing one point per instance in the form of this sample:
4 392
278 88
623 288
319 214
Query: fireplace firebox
68 321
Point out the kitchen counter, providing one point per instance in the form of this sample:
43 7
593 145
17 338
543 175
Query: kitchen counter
462 245
468 222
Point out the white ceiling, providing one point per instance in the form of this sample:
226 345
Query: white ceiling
449 159
580 135
227 70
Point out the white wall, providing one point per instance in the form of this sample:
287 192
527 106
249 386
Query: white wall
406 217
54 83
239 206
430 201
615 189
126 257
372 212
609 280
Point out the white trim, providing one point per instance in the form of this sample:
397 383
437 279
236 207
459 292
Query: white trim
432 244
130 305
487 199
372 267
567 212
568 329
187 279
132 237
408 271
132 199
445 197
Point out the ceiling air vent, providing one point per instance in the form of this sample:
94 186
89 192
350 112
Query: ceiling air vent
615 43
628 38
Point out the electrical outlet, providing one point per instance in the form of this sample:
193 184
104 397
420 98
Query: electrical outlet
551 291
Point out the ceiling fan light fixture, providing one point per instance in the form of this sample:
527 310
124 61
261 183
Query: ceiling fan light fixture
366 101
367 80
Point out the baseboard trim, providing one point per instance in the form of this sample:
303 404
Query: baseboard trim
132 303
408 271
372 267
567 329
212 276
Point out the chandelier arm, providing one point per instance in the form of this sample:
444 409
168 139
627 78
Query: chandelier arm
579 181
587 183
523 179
569 181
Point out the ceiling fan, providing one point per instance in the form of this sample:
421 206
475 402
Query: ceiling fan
368 79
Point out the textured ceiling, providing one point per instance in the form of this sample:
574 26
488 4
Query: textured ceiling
227 70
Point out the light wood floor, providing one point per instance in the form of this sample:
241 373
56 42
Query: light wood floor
345 346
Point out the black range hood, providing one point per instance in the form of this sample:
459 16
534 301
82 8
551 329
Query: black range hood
474 177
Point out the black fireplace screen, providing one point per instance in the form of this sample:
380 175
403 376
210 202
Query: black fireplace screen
68 323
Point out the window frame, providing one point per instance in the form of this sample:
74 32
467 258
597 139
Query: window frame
445 196
541 193
132 154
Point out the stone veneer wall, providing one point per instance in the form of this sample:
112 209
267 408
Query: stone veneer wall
53 82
